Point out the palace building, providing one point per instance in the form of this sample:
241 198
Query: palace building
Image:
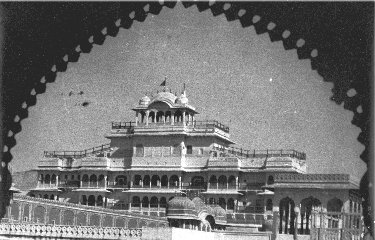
170 164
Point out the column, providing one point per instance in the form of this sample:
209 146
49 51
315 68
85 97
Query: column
50 181
147 114
131 180
130 206
105 181
97 182
208 185
296 211
180 181
172 118
183 118
236 183
163 118
80 182
276 220
57 180
227 184
136 118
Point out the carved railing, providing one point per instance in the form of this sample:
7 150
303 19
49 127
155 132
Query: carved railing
311 178
206 124
69 232
83 207
240 152
77 154
246 218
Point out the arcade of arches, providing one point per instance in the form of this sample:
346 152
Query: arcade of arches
299 216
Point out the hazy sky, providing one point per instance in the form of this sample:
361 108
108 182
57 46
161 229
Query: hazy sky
269 98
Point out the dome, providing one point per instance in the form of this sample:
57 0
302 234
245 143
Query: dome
182 99
219 211
181 208
144 101
220 215
167 97
199 204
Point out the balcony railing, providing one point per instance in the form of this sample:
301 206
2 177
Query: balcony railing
207 124
77 154
246 218
69 184
261 153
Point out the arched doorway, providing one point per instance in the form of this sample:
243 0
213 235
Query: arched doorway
287 216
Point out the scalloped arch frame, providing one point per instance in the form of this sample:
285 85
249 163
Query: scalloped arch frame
257 14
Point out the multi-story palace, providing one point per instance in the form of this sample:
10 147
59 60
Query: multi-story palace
167 152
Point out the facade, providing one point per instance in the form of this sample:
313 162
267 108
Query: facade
167 153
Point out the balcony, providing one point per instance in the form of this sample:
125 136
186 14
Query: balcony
77 154
211 125
246 218
234 151
69 184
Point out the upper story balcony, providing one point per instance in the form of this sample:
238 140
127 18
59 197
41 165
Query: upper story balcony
194 127
243 153
77 154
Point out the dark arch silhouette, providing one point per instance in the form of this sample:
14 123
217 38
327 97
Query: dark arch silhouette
345 63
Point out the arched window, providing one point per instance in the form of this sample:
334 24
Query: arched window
151 117
101 181
93 180
139 150
163 202
173 181
41 178
334 205
52 197
178 116
120 180
197 181
91 200
230 204
168 116
232 181
270 180
287 216
146 180
47 179
85 180
222 181
145 202
136 201
53 179
137 180
159 116
154 202
155 180
84 200
269 205
164 181
213 181
99 201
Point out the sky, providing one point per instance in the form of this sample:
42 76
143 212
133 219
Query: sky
269 98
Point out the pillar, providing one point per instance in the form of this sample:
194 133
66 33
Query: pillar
130 206
180 182
136 118
172 118
57 180
163 118
236 183
105 181
208 185
147 114
296 212
276 220
183 118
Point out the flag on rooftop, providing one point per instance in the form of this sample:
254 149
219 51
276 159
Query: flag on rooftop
164 82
